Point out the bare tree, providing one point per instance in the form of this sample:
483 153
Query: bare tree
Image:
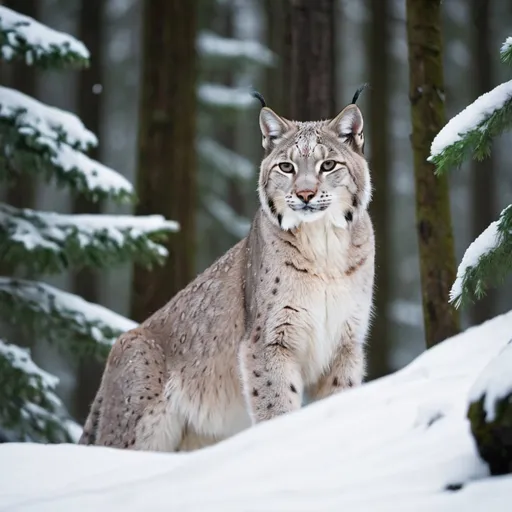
434 225
483 182
166 146
309 59
379 95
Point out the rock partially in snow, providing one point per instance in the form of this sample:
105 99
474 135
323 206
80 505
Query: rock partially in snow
399 444
490 412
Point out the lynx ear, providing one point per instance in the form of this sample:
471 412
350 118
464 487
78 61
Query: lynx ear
348 125
272 127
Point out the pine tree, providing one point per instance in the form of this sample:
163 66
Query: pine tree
39 139
470 133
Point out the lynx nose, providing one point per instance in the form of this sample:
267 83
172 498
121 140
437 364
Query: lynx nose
305 195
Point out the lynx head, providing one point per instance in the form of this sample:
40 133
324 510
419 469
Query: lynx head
313 170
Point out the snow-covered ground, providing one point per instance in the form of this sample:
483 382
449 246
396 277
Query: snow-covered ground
401 443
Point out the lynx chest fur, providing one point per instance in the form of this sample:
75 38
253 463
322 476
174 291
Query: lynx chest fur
281 316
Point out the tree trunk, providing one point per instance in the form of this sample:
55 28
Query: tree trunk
86 281
379 122
309 57
166 154
482 187
22 193
434 226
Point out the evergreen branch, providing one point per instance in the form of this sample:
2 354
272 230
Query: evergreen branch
216 96
473 129
21 37
217 51
46 242
37 119
486 263
506 51
60 317
36 153
29 408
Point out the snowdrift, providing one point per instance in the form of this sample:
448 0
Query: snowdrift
401 443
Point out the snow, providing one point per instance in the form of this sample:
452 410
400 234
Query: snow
45 299
224 160
62 135
494 383
232 222
213 45
398 444
50 230
20 358
217 95
484 243
35 39
506 46
50 122
470 118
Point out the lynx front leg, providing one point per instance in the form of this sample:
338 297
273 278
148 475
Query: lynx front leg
347 370
271 376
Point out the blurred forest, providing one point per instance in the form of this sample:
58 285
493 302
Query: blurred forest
211 190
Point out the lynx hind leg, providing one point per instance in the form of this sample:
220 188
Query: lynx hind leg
134 412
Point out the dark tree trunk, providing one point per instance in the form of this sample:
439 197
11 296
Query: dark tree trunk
378 127
309 82
434 225
86 281
166 160
23 78
482 187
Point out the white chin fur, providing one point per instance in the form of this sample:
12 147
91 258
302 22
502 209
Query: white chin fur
293 219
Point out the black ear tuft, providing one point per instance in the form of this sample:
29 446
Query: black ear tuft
359 91
260 98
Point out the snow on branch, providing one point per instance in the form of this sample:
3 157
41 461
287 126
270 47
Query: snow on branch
60 316
473 129
223 160
211 45
36 118
232 222
23 37
39 138
46 242
506 51
222 96
29 408
486 261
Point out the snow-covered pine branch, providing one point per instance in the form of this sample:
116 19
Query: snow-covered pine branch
486 261
506 51
37 138
25 38
473 130
217 50
29 408
232 222
223 160
221 96
60 316
47 242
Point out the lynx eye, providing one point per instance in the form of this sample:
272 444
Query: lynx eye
328 166
286 167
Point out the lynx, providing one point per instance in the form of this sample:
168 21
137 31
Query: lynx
280 318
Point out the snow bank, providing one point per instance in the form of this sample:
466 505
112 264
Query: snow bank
36 41
495 382
471 117
401 443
